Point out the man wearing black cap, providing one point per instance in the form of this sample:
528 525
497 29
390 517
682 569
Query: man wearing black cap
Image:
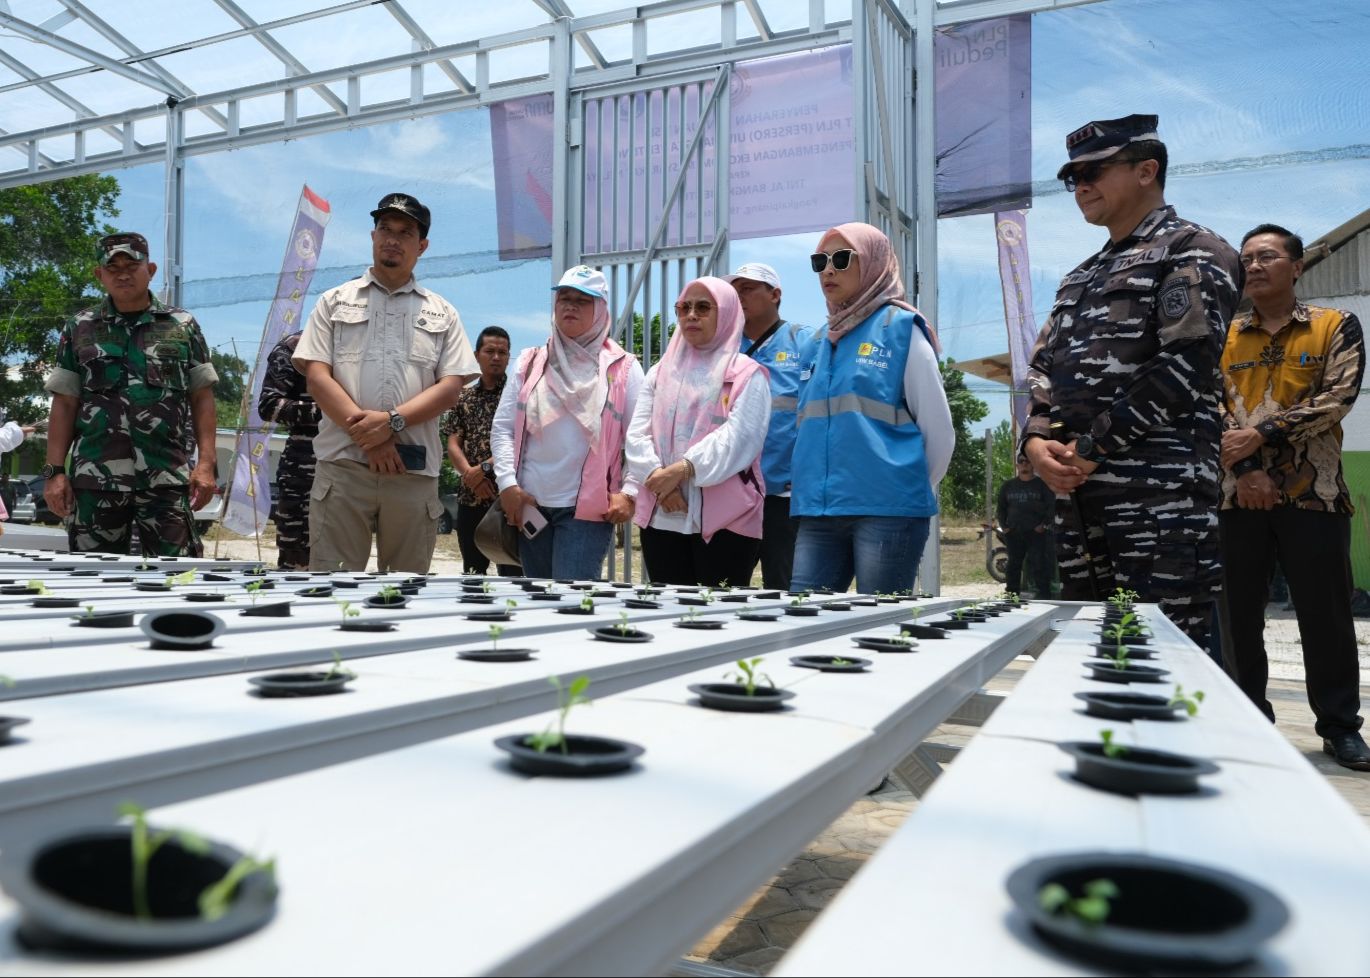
383 357
132 394
1124 386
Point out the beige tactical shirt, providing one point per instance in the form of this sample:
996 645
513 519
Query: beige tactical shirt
384 348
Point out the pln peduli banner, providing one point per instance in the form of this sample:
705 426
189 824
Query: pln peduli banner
984 116
249 494
521 144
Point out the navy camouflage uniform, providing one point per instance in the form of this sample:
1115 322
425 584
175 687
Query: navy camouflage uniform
286 401
1129 355
130 460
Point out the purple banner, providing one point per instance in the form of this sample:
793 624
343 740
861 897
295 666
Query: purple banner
249 494
1010 229
792 159
521 141
984 116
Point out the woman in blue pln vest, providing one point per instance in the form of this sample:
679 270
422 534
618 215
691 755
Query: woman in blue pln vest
875 434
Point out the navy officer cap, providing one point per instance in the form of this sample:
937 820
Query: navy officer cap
1100 140
407 205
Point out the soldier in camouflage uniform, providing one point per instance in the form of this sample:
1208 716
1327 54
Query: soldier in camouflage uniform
1124 385
132 375
285 401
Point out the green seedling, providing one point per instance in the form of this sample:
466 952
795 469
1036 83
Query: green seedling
37 587
348 611
495 632
691 615
900 639
624 626
388 592
90 610
175 580
1190 703
839 661
960 613
1110 748
587 603
1119 657
337 671
749 676
799 600
510 604
567 697
1092 909
706 596
486 587
215 898
253 591
6 682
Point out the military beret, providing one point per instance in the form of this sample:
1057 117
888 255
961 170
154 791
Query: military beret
407 205
1101 139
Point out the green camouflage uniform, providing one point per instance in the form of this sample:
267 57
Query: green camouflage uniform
133 375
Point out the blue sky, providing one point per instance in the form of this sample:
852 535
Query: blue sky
1267 112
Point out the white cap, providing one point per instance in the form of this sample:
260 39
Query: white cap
585 279
757 272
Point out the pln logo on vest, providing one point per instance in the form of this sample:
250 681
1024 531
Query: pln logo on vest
869 353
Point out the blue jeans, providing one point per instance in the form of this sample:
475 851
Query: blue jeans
882 551
566 547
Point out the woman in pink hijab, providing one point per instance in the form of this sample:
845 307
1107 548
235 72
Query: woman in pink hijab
875 435
694 445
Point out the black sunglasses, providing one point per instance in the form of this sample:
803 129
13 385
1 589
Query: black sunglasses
1090 172
840 259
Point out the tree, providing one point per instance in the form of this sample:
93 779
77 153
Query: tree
233 373
963 489
48 233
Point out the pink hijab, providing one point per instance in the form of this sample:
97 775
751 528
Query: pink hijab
689 381
881 284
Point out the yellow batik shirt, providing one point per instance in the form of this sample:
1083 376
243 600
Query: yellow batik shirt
1294 387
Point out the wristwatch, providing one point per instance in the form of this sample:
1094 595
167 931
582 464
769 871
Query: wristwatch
1087 450
396 421
488 468
49 470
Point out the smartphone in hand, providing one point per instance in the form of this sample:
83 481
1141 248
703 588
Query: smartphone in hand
533 521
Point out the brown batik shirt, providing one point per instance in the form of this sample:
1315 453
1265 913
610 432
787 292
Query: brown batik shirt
471 419
1294 386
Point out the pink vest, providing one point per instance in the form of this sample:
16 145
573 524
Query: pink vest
738 502
602 472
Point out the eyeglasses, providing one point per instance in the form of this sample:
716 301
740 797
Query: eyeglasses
700 307
1263 259
1090 172
841 259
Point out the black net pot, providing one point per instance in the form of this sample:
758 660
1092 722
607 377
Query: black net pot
1169 916
75 893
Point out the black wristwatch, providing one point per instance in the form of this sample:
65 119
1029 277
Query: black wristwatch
1087 450
396 421
488 468
49 470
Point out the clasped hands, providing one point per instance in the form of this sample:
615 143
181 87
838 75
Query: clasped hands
370 431
664 483
1058 465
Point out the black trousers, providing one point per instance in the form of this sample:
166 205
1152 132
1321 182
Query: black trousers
684 558
778 533
1036 550
1315 551
473 561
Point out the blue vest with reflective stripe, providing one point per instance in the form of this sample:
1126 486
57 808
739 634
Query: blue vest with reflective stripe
859 452
788 358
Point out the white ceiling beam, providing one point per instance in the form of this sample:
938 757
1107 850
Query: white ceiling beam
80 108
280 51
426 44
34 33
